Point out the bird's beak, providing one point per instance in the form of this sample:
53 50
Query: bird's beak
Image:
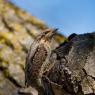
53 33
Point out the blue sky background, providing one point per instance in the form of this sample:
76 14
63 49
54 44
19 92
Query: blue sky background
70 16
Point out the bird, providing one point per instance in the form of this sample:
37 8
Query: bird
37 62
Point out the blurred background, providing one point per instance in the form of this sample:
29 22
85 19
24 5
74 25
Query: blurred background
18 29
70 16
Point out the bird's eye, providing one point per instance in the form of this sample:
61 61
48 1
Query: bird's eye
46 32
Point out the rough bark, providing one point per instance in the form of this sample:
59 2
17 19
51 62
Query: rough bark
74 69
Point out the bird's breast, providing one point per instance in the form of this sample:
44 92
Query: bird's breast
38 60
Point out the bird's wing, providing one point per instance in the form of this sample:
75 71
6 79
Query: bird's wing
34 63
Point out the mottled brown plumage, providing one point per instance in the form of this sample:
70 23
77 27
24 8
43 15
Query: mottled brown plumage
37 61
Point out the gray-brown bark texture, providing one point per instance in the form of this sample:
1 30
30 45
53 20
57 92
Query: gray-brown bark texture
74 68
70 69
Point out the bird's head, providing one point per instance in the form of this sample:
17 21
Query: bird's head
47 37
47 34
